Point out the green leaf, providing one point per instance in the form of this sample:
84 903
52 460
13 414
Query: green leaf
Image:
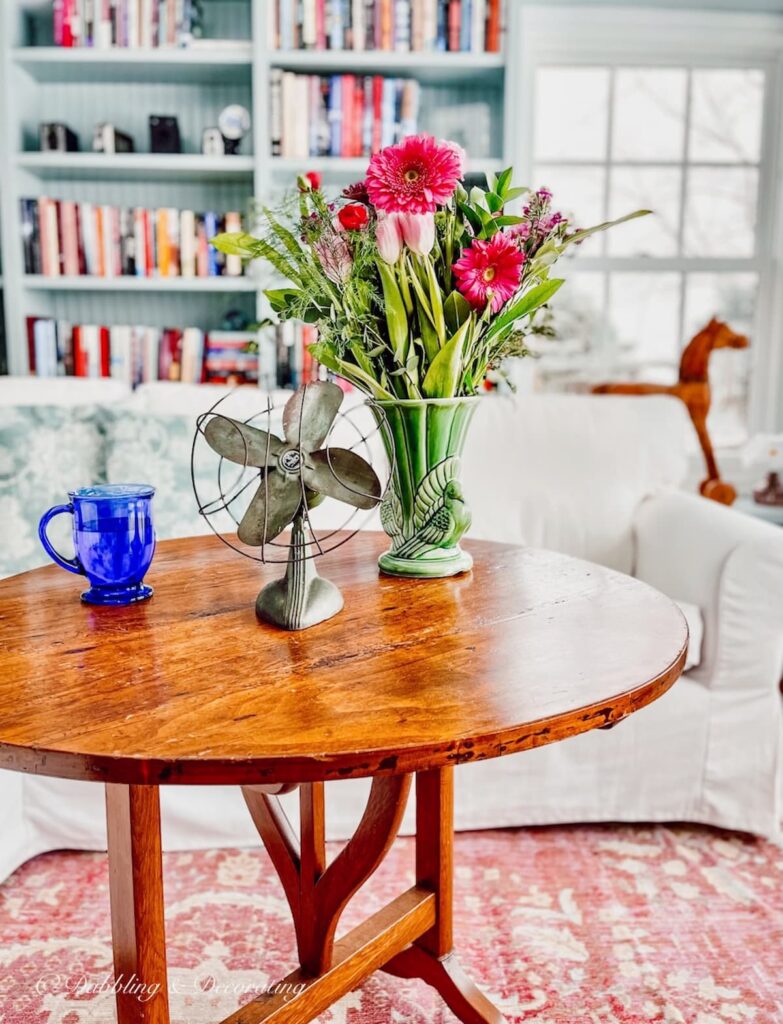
471 216
326 355
514 193
525 305
394 309
456 311
281 298
494 202
504 180
236 243
507 220
605 226
445 372
492 181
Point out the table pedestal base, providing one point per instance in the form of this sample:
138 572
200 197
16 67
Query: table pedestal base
411 937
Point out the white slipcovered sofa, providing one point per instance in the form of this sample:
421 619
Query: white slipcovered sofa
596 477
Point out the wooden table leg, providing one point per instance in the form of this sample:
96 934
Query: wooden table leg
136 892
432 957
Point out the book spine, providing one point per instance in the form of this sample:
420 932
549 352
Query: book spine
454 25
320 25
346 138
403 26
211 227
335 115
309 30
478 30
162 238
172 225
187 243
442 23
377 113
276 111
493 26
358 29
233 263
466 20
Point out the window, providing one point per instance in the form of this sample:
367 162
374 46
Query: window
613 133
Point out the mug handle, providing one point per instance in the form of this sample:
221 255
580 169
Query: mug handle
71 564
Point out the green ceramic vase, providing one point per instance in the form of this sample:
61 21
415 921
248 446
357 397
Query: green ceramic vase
424 511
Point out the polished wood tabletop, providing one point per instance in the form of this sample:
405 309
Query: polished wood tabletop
189 687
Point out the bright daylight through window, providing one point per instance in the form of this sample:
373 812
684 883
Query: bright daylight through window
686 143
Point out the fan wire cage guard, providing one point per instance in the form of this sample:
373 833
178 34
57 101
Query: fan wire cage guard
228 495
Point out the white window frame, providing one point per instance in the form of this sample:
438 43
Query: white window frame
613 37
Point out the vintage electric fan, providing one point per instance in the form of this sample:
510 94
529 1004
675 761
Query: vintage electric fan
280 481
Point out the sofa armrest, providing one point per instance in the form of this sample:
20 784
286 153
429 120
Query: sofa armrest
731 566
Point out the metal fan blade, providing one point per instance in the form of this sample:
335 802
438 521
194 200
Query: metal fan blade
309 414
344 475
272 508
239 442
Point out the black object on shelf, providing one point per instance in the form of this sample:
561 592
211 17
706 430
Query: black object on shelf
57 138
164 134
108 139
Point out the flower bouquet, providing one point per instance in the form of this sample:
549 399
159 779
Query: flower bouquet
419 288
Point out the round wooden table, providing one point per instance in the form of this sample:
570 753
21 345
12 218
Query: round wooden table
412 677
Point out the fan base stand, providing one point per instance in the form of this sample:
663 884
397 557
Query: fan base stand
301 598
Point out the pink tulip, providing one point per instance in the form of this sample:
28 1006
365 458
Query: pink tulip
418 232
388 236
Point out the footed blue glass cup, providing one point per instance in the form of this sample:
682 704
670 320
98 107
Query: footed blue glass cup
113 538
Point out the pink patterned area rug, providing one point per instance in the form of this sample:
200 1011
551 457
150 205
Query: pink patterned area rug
581 925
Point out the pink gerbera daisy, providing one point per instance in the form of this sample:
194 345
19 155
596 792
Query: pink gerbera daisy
489 271
414 176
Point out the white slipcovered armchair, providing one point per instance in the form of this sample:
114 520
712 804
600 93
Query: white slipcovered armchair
598 478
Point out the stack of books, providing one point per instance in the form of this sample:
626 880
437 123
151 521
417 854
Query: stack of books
339 115
131 354
459 25
130 24
273 358
62 237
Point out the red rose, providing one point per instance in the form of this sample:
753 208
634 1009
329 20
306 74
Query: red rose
313 178
353 217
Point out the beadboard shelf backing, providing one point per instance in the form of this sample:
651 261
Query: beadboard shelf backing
462 97
56 64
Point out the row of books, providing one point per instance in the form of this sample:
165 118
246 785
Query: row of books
461 25
275 357
129 24
63 237
339 115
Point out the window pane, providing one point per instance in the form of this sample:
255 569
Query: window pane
726 115
644 311
649 113
578 192
572 113
645 188
729 297
568 359
720 211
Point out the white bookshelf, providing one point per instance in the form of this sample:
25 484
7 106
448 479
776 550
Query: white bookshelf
82 87
135 166
36 282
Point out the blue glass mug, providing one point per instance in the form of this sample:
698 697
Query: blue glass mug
113 538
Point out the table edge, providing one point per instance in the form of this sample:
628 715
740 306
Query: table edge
328 767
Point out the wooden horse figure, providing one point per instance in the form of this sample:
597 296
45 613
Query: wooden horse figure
693 388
